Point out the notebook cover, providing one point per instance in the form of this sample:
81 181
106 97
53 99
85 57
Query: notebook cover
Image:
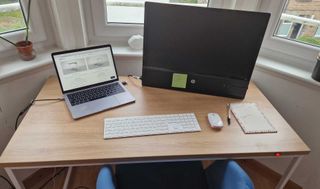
251 119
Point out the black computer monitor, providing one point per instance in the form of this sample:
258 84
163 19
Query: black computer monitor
203 50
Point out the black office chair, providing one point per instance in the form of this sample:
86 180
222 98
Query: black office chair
222 174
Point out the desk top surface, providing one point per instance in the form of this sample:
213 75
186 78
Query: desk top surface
49 136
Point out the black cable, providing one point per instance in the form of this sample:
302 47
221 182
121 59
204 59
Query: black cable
134 76
50 99
54 176
81 187
30 104
21 113
124 82
4 178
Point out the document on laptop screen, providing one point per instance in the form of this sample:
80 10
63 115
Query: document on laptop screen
84 68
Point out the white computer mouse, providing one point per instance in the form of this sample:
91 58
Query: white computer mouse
215 120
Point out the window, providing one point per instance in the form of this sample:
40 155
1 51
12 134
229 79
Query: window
117 20
13 19
284 29
293 45
317 35
11 16
132 12
299 22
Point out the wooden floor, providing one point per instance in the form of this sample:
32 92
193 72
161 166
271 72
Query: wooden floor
85 177
262 176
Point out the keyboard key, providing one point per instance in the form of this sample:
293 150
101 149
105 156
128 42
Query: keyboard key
150 125
94 93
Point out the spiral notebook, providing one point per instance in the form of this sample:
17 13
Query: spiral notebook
251 119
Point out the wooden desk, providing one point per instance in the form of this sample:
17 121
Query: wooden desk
48 136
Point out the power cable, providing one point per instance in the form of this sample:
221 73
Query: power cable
29 105
5 179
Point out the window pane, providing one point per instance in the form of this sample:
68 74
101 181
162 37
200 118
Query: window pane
300 21
11 17
132 11
317 33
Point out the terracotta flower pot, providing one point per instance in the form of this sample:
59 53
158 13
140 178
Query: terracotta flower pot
25 50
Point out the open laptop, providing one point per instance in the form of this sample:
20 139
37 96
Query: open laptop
89 80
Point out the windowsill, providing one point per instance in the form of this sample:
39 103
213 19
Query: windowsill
286 70
13 65
126 51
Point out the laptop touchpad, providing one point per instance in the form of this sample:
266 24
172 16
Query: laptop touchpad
105 103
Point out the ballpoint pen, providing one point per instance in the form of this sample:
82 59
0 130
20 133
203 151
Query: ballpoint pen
228 114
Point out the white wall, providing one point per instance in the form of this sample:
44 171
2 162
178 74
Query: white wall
16 93
299 103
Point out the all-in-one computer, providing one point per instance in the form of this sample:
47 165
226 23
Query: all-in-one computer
203 50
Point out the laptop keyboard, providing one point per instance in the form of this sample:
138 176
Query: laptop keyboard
95 93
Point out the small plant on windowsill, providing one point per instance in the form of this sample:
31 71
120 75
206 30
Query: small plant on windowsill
24 47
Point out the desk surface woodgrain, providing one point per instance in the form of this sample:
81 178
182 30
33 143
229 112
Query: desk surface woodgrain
49 136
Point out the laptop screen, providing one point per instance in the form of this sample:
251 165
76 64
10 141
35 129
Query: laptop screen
85 67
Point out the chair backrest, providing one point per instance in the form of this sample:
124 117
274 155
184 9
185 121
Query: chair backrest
105 178
222 174
227 174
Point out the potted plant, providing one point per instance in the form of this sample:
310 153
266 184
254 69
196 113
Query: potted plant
24 47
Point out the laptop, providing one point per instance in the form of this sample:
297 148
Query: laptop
89 80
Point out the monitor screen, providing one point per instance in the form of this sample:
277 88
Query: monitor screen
85 67
206 41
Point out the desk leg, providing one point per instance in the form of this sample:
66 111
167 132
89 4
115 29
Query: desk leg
13 178
289 171
67 179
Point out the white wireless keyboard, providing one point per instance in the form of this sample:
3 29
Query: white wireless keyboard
150 125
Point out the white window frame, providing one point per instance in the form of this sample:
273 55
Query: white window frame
284 50
36 32
111 29
98 30
119 33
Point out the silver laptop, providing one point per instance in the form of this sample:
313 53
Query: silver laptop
89 80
